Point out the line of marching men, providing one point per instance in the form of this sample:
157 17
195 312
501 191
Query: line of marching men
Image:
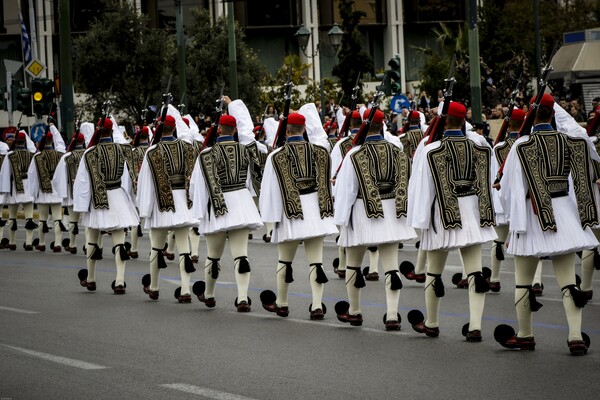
374 195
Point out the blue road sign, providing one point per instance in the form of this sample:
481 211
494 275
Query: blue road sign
37 131
399 102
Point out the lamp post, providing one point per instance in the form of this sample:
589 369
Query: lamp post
335 35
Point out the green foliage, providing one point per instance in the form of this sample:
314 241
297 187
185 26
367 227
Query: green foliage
353 59
122 52
207 68
274 85
507 36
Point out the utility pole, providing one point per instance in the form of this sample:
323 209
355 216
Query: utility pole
475 73
66 69
180 48
233 83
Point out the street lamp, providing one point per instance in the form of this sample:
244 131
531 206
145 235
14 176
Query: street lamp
335 35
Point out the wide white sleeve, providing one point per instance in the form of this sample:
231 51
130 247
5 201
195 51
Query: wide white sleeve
5 173
346 192
340 118
82 189
146 192
59 142
30 144
270 202
61 177
494 167
243 121
199 192
270 126
314 129
393 139
33 181
421 193
513 195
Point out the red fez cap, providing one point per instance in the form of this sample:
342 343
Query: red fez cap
328 124
546 101
145 131
228 120
10 131
414 115
49 136
517 115
356 115
78 137
296 119
170 121
187 121
257 128
378 117
21 135
107 123
457 110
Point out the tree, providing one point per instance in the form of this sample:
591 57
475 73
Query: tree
353 59
122 52
275 90
207 69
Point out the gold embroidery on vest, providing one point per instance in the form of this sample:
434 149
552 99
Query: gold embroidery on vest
105 163
46 163
257 166
225 168
410 141
501 151
19 162
461 168
72 161
303 167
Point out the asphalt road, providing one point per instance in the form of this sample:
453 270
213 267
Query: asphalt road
59 341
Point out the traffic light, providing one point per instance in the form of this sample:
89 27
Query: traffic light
21 98
391 80
394 75
43 95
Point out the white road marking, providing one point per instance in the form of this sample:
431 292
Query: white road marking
18 310
200 391
57 359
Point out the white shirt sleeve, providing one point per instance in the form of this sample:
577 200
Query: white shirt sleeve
346 191
270 202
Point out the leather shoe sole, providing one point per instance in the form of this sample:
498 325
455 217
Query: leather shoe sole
184 299
372 276
119 289
495 287
354 320
422 328
474 336
281 311
153 294
317 315
210 302
577 347
243 306
519 343
392 325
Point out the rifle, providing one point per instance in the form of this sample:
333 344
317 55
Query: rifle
77 123
211 136
167 99
511 106
366 125
436 128
343 132
105 114
181 105
530 117
283 120
334 118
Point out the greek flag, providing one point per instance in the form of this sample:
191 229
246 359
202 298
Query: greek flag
25 40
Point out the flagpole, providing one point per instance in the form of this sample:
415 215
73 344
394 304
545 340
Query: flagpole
33 30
